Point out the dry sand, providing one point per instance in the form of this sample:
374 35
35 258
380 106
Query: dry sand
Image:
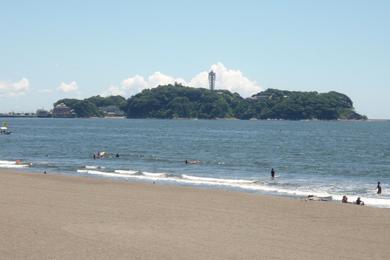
63 217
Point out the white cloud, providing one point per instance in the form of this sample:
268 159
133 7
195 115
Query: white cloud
9 89
232 80
67 88
134 84
113 91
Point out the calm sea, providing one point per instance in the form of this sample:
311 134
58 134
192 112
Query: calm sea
309 157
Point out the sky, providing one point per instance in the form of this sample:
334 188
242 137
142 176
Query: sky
76 49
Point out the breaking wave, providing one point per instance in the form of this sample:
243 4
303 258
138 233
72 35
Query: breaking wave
246 185
13 164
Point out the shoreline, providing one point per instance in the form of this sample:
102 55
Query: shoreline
62 217
235 185
207 119
249 186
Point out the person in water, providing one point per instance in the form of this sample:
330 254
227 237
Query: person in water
117 155
379 188
272 173
359 202
186 161
345 199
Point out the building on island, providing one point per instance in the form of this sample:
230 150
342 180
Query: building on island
63 111
43 113
212 78
112 111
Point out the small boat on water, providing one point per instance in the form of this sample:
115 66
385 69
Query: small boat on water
4 129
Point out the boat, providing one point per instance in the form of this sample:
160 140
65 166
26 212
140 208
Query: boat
4 129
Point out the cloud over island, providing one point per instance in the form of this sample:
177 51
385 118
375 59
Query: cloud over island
229 79
68 87
10 89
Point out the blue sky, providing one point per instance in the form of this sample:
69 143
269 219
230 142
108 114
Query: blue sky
53 49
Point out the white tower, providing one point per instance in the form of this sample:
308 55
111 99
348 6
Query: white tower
212 77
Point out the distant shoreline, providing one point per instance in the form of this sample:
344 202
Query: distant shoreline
208 119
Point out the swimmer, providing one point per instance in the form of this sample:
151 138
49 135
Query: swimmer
379 188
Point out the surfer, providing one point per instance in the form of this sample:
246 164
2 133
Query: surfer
117 155
379 188
186 161
272 173
94 156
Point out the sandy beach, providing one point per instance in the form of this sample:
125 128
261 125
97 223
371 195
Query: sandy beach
64 217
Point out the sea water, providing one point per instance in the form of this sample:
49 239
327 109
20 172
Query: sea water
323 158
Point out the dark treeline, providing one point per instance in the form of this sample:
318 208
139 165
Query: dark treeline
177 101
94 106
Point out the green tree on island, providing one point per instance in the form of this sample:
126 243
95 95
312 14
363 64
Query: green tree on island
177 101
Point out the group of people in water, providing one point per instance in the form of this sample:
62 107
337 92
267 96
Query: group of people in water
102 155
191 161
19 162
358 200
345 198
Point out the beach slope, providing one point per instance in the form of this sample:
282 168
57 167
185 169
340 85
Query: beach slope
62 217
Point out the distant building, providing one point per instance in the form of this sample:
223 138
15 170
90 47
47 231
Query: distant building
43 113
112 111
63 111
212 77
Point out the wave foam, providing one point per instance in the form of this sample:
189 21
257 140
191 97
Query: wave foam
248 185
13 164
94 167
121 174
107 174
216 180
7 162
125 172
154 174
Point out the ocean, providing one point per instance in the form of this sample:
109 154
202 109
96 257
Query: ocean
319 158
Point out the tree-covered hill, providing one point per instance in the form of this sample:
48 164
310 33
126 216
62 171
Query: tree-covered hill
295 105
176 101
95 106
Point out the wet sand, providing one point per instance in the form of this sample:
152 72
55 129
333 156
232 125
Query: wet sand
64 217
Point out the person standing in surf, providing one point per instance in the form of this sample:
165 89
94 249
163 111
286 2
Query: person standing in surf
272 173
379 188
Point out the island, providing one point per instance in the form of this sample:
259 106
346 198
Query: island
178 101
95 106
